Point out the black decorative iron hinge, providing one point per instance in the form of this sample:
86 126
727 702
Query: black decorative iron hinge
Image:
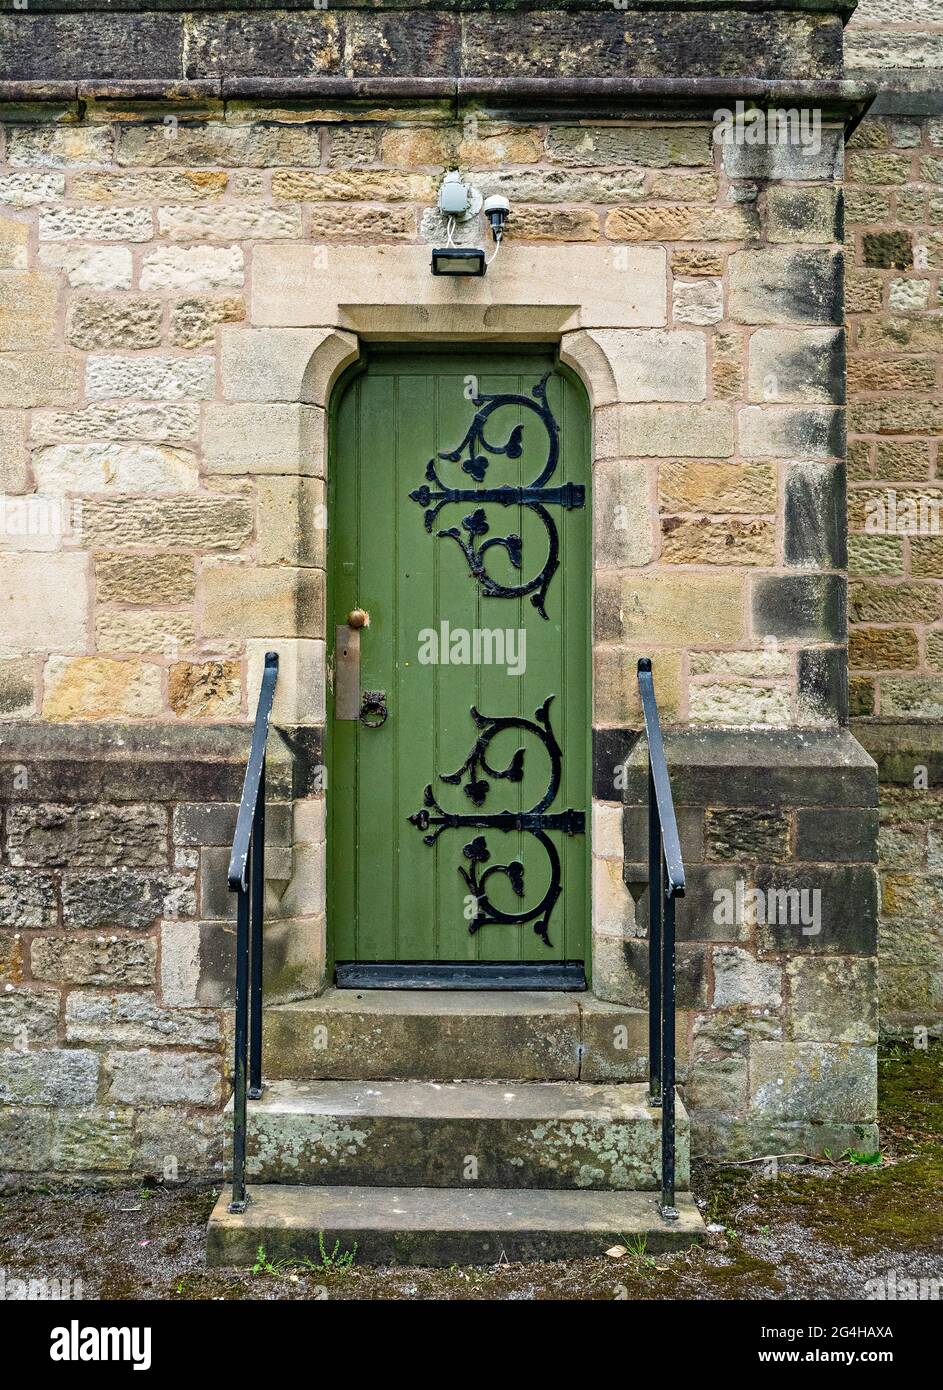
537 821
537 496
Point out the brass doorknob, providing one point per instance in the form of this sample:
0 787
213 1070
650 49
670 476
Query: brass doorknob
357 618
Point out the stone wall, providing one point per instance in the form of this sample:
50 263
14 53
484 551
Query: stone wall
894 207
117 945
139 402
188 282
777 998
894 201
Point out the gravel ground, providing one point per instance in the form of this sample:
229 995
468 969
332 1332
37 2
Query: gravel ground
820 1230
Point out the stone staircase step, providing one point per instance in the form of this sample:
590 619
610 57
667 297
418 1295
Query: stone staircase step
436 1226
440 1134
445 1035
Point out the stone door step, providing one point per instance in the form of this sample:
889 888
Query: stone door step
431 1134
442 1226
420 1035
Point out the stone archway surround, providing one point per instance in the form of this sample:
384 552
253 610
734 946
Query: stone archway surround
278 372
608 309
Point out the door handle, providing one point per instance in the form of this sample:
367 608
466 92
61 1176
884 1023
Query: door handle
373 710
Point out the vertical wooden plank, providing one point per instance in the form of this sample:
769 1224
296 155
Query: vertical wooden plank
416 710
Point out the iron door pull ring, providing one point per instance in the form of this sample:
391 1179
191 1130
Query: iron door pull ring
373 710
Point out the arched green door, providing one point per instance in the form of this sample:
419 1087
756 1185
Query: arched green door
459 523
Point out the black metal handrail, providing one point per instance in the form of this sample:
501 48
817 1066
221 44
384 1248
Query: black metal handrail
247 881
665 885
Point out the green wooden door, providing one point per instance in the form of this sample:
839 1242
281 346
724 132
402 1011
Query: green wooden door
458 825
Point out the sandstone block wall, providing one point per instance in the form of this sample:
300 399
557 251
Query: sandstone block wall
149 267
117 947
777 996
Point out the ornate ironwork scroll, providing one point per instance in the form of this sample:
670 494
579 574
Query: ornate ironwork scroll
477 770
536 496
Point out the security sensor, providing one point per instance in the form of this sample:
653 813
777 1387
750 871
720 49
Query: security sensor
496 209
458 202
453 195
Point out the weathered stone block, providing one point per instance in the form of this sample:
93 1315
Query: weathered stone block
92 687
124 321
229 222
61 146
194 320
94 1141
96 224
739 703
829 837
248 601
150 185
144 1077
797 366
554 224
175 1145
39 378
242 437
706 541
701 915
193 523
71 468
193 268
125 420
815 509
739 978
14 244
665 431
150 378
203 690
291 526
134 630
650 147
302 679
779 286
52 1077
26 189
27 899
813 1081
823 685
28 306
771 431
680 223
791 159
622 523
28 1017
912 697
697 301
125 899
818 910
883 649
89 267
738 835
352 185
657 609
249 146
547 185
87 836
44 606
806 215
800 607
716 487
136 1020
